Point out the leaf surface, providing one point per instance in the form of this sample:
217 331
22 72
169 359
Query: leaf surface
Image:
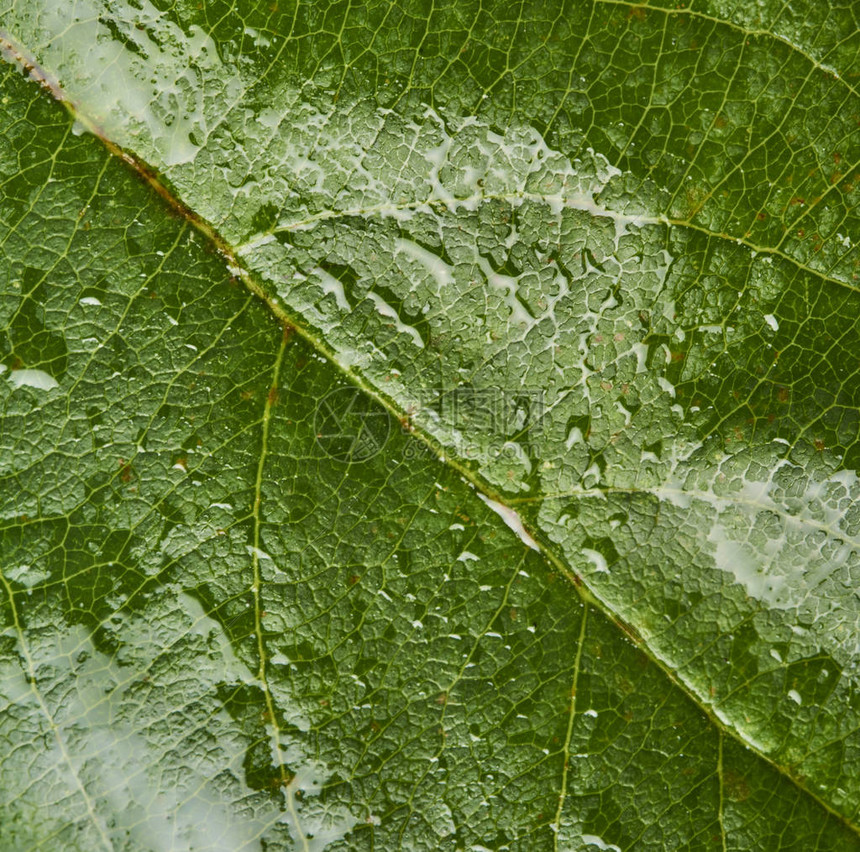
599 259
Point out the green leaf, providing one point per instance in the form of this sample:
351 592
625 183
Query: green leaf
595 590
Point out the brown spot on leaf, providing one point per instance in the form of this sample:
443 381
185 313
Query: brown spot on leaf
735 785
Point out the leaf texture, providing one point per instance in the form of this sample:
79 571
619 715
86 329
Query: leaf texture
595 590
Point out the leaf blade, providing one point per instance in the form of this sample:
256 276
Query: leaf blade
620 603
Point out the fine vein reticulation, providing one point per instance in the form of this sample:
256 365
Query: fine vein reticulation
331 650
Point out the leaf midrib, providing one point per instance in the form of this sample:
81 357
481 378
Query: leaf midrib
234 265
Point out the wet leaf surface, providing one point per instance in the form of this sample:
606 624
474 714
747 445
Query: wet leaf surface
429 426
